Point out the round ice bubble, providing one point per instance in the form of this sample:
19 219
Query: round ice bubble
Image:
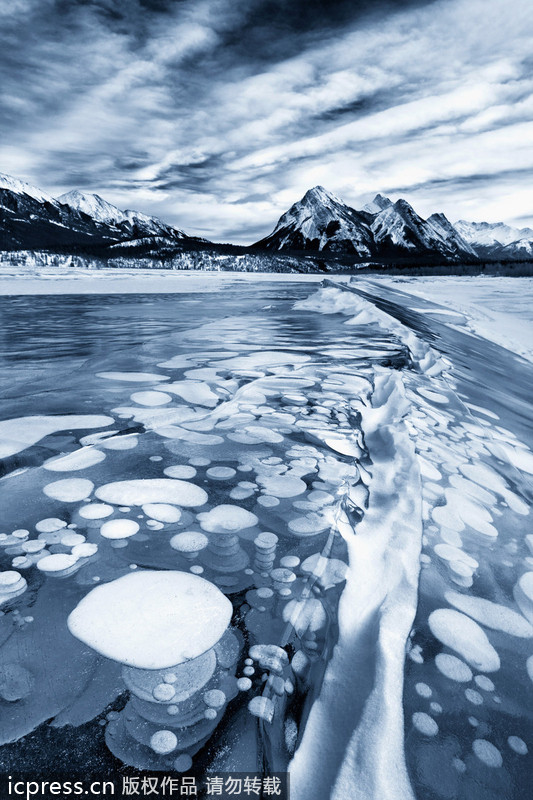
487 753
163 742
119 529
425 724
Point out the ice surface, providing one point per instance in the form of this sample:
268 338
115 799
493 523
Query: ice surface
361 426
152 620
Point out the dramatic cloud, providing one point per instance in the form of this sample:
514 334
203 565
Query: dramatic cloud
216 115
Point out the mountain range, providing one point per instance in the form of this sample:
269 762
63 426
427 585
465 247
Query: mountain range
319 223
385 231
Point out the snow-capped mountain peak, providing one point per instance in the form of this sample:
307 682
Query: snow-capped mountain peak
21 187
93 205
379 203
320 221
489 234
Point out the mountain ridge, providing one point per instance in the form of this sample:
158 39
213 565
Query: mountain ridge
319 223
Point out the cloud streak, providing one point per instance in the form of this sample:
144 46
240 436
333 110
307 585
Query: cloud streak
216 118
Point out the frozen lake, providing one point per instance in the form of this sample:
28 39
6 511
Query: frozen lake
344 474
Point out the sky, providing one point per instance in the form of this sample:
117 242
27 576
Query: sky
217 115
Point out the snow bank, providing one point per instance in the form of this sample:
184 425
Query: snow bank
355 727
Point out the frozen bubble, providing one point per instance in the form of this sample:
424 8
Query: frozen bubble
484 683
80 459
152 619
152 490
151 398
183 763
69 490
56 563
238 493
196 569
262 707
163 692
133 377
85 550
243 684
95 511
487 753
310 525
33 546
199 461
226 519
462 634
214 698
18 434
163 512
220 473
267 501
21 533
523 593
459 765
10 579
518 745
180 471
289 562
453 668
329 571
425 724
473 697
163 742
210 713
123 442
196 392
50 524
72 539
306 615
119 529
189 542
248 671
473 722
423 690
282 485
436 708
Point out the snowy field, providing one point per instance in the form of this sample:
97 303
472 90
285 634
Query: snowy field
499 309
114 281
269 526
